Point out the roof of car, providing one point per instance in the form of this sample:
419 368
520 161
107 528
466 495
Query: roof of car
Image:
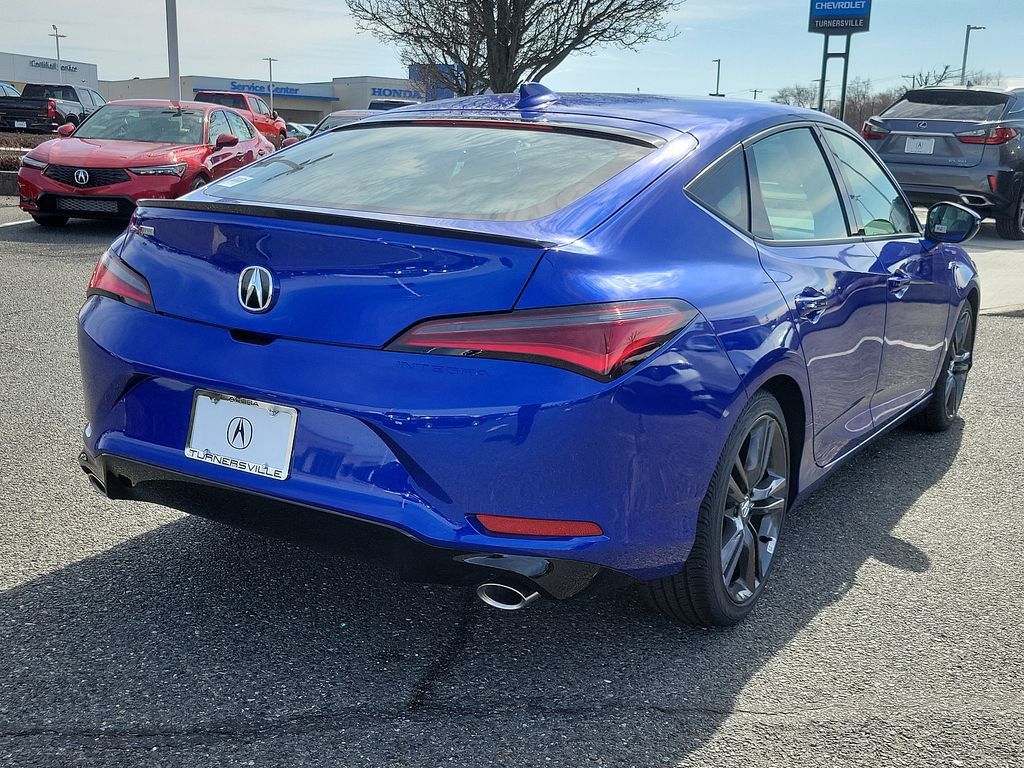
354 112
983 88
696 115
202 105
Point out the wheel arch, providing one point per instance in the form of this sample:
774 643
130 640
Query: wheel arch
786 390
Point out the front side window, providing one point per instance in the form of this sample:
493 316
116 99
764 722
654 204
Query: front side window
798 196
86 98
485 172
98 100
723 189
239 127
218 126
165 125
876 200
261 107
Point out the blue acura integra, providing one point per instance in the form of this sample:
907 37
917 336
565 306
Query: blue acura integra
536 342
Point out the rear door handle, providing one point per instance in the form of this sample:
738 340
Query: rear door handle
811 306
898 284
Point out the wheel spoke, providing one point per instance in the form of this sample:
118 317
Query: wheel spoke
739 476
736 493
772 488
759 451
731 555
750 576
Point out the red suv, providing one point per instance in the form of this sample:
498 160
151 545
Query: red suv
253 108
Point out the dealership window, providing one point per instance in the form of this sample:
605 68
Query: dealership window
877 202
798 197
723 189
463 172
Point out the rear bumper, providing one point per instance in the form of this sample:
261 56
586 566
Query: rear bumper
556 578
422 445
968 186
33 124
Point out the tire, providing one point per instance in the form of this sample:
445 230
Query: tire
709 591
200 181
47 220
1011 227
940 412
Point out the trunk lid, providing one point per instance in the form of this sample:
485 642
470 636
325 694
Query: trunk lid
353 283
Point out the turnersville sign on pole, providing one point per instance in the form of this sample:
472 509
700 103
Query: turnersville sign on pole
838 17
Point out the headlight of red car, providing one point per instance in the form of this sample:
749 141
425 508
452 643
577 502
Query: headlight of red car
31 162
176 169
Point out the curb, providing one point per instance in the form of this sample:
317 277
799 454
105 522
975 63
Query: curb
1011 310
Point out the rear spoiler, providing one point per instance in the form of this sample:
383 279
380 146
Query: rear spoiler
285 213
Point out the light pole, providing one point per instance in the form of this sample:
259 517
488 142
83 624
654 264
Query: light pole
718 79
270 61
173 72
57 36
756 91
967 43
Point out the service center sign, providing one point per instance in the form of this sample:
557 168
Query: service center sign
840 17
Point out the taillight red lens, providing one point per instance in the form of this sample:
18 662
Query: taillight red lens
51 110
116 280
598 340
870 131
531 526
993 136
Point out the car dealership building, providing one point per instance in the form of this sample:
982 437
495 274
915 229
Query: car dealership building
297 102
18 69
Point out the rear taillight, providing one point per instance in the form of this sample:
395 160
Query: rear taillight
51 110
872 131
999 135
116 280
602 341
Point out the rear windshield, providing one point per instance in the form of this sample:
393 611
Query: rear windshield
224 99
49 92
949 105
160 124
440 171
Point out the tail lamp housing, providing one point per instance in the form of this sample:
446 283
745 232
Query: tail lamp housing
872 131
990 136
51 110
114 279
602 341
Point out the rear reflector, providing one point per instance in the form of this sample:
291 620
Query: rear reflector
992 136
528 526
993 181
116 280
602 341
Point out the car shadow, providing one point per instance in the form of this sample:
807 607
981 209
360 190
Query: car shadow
75 231
208 644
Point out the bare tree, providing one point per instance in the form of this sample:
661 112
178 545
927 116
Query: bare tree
797 95
497 44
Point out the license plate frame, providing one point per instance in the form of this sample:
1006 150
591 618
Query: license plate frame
223 428
917 145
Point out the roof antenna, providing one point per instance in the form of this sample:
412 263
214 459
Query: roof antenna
534 95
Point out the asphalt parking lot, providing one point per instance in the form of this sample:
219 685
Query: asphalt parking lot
133 635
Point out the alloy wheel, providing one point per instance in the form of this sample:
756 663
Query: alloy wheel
754 506
960 350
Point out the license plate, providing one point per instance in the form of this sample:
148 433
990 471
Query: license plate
920 146
20 124
241 434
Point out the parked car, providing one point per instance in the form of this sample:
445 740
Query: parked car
297 130
130 150
6 89
252 108
382 105
333 120
42 107
964 144
615 344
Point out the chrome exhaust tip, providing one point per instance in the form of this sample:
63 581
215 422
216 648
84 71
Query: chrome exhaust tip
505 597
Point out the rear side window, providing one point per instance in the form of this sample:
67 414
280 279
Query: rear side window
798 196
723 189
440 171
49 92
877 202
949 105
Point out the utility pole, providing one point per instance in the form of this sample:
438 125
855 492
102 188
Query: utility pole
967 43
756 91
270 60
718 79
60 68
173 72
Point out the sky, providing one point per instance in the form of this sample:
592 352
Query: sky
763 44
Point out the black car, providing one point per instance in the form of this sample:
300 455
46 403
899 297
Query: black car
960 144
43 107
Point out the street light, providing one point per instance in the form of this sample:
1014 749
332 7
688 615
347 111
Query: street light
270 61
967 43
57 36
718 79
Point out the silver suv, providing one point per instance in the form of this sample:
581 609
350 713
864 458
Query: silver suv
959 144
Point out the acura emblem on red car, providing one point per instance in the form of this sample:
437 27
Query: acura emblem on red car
81 177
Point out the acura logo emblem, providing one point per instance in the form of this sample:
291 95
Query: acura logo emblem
81 177
239 433
922 124
255 289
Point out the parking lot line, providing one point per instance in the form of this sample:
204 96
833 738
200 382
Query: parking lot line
12 223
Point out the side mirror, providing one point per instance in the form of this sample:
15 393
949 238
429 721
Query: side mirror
66 130
273 113
226 140
289 141
951 223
